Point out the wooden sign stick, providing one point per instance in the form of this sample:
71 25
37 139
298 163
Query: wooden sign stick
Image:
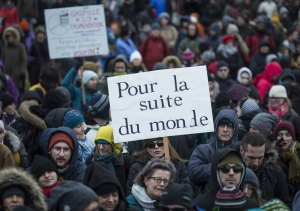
166 148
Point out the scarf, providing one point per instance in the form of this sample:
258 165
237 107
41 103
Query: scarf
228 51
139 193
47 191
62 170
85 149
9 119
107 160
290 161
281 111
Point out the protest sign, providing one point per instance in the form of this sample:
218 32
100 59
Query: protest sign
160 103
76 31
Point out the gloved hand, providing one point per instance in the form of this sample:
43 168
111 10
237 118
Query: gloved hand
78 62
278 143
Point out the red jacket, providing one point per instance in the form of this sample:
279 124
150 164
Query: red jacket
153 49
11 15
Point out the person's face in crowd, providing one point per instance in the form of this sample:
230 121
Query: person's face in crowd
295 36
156 148
93 206
230 175
211 85
286 52
248 189
109 201
245 78
276 102
115 29
11 109
260 25
79 131
136 62
47 179
264 49
185 24
120 67
171 65
287 139
240 21
98 64
223 72
157 183
192 30
225 132
253 156
146 27
92 83
164 21
284 15
40 37
61 154
155 33
13 201
10 38
212 33
104 148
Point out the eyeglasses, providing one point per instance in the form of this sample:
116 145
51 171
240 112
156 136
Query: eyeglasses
65 150
250 188
158 180
174 209
226 169
152 145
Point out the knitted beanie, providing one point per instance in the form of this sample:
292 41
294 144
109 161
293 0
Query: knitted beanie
159 66
53 99
274 204
230 199
208 56
40 165
87 75
283 10
231 28
188 55
60 137
249 106
231 158
278 91
106 189
264 122
264 42
270 58
238 92
222 64
72 118
99 106
135 55
251 178
90 66
155 26
6 99
164 15
285 125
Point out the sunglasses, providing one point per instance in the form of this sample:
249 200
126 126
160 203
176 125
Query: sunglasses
152 145
174 209
226 169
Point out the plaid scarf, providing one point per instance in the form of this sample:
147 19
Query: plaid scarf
85 149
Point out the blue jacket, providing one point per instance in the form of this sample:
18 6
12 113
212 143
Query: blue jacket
75 92
76 169
160 5
125 47
199 167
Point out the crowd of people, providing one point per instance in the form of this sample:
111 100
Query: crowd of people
57 149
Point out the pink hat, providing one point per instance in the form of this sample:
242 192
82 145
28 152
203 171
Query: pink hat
188 55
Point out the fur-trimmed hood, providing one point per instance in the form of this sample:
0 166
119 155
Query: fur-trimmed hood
271 153
16 34
12 141
174 59
29 116
38 198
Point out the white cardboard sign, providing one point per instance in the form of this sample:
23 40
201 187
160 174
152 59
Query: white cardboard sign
76 31
160 103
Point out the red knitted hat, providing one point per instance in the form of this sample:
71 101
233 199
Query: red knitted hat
24 25
227 38
60 137
285 125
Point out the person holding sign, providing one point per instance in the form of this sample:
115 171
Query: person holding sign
154 148
150 183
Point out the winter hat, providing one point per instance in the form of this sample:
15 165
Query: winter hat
283 10
99 106
159 66
241 71
14 187
278 91
106 189
208 56
226 19
222 100
164 15
264 122
155 26
237 92
24 25
179 194
260 19
72 118
230 199
285 125
87 75
66 96
231 28
53 99
40 165
226 122
222 64
90 66
2 126
231 158
251 178
204 46
60 137
264 42
254 94
274 204
71 195
188 55
135 55
227 38
106 133
249 106
275 19
6 99
271 58
124 31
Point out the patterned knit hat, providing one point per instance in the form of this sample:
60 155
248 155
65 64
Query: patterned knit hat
208 56
72 118
99 107
230 199
274 204
251 178
249 106
285 125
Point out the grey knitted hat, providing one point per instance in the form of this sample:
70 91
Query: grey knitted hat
251 178
264 122
249 106
208 56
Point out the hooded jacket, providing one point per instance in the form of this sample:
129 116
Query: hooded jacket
200 163
207 199
6 157
98 174
173 59
55 118
76 169
38 198
296 202
241 71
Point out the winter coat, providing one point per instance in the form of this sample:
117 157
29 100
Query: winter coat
269 7
169 33
296 202
6 157
16 67
91 133
98 174
11 89
258 63
38 198
76 169
11 14
181 35
188 43
153 49
125 47
28 9
180 177
174 59
200 163
244 123
215 40
160 5
225 84
206 200
211 13
128 11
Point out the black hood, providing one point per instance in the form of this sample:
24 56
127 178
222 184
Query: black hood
54 118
